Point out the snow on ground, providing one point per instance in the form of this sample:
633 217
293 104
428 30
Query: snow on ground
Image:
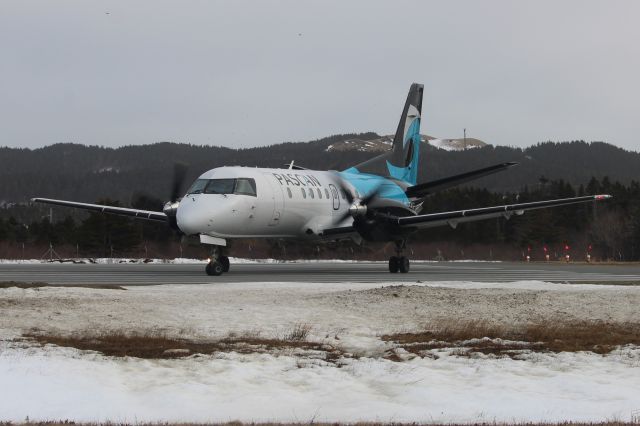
57 383
62 383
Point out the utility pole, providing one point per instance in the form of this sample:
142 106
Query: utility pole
465 139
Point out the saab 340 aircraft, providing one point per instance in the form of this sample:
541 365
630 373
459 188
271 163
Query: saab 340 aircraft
378 200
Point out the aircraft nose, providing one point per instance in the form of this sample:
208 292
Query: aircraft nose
189 218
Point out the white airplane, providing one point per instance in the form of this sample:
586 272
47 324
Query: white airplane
378 200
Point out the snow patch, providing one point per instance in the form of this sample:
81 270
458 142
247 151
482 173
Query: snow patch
60 383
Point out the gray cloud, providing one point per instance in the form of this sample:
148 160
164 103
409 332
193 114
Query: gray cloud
240 73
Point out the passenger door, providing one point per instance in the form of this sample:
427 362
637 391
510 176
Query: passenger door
277 198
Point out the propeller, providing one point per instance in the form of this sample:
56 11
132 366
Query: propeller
358 206
179 173
171 207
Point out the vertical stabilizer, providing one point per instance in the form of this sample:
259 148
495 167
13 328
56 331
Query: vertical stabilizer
403 163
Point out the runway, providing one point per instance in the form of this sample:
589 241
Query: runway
155 274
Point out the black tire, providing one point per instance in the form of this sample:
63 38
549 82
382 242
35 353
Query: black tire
224 260
394 264
214 268
403 264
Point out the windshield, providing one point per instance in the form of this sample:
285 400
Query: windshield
220 186
245 186
198 186
240 186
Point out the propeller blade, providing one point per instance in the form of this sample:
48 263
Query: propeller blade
353 201
179 173
372 195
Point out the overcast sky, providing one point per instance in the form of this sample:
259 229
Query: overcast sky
239 73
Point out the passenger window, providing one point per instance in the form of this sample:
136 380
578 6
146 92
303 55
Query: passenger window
326 192
304 193
245 186
289 192
220 186
311 192
319 193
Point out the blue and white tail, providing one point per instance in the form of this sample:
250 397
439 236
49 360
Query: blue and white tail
401 162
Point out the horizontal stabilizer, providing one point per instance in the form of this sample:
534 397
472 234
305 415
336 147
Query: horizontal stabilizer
427 188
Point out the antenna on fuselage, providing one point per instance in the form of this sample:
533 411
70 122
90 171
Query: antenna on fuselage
291 165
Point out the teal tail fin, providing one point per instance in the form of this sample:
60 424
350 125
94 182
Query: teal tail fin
403 164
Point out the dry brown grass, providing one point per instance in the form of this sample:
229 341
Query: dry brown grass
38 284
551 336
158 345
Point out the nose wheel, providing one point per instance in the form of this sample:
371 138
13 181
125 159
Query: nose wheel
399 263
214 268
218 263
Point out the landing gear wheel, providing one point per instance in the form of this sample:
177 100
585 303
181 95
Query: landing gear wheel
224 260
403 264
214 268
394 264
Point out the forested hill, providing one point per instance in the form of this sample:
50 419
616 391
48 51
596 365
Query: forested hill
89 173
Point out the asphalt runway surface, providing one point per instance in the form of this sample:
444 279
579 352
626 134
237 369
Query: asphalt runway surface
153 274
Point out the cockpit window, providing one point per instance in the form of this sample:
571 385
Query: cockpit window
245 186
198 186
220 186
240 186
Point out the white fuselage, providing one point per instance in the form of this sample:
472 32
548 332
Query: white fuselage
287 203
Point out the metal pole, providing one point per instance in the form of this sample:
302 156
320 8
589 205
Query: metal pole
465 139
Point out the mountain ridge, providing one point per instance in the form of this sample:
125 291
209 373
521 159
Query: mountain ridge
90 172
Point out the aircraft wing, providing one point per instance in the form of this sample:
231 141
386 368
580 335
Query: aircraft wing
424 189
122 211
452 218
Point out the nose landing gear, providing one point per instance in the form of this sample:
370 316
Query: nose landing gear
214 267
399 263
218 263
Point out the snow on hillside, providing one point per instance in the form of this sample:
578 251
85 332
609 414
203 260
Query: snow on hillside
456 144
384 143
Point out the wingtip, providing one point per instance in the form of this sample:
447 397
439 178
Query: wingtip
602 197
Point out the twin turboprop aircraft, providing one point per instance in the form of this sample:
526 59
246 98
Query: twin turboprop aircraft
378 200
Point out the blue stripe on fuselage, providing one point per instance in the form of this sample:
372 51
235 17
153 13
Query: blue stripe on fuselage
366 183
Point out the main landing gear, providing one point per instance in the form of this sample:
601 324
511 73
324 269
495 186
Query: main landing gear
399 263
218 263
